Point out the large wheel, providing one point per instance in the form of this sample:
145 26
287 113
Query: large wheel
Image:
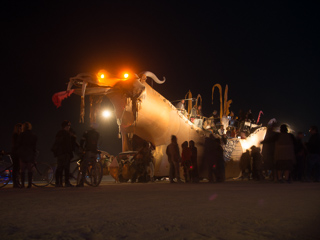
94 173
5 174
42 174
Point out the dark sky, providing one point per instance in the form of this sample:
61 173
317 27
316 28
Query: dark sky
268 54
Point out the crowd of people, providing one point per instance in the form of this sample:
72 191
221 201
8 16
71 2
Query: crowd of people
284 157
213 160
227 126
24 153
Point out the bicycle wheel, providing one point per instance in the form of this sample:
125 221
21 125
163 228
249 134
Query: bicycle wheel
5 174
54 168
94 173
42 174
73 177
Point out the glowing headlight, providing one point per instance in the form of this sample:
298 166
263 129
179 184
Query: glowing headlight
106 114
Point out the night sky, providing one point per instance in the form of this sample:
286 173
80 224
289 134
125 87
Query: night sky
267 53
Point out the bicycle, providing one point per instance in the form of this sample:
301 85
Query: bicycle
6 165
93 171
42 172
73 174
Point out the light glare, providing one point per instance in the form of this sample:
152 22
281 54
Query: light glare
106 114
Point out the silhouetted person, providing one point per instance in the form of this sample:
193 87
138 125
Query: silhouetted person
220 165
180 105
193 113
232 119
199 111
241 120
301 153
88 142
186 160
221 131
313 158
63 150
141 163
268 152
209 156
249 116
194 162
27 141
256 163
284 153
173 153
14 155
245 164
215 116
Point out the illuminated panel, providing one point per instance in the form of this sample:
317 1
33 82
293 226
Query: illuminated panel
253 139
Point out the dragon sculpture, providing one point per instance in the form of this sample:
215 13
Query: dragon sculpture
142 111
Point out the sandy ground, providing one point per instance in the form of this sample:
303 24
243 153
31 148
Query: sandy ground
230 210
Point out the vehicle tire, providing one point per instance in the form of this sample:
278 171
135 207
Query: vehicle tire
5 174
94 173
42 175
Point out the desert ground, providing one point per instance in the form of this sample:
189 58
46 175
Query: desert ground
160 210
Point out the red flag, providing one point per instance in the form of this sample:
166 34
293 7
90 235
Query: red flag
58 97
